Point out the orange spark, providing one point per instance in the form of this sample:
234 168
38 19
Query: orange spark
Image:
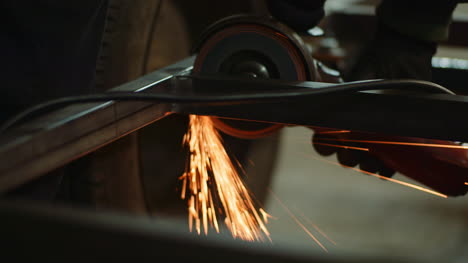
342 146
265 215
417 187
211 176
333 132
291 214
466 183
399 143
317 228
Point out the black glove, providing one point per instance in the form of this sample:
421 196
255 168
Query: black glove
300 15
348 153
392 55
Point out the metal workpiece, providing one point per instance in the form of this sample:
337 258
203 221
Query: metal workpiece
426 115
47 142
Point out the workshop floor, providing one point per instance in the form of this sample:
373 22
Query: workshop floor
362 214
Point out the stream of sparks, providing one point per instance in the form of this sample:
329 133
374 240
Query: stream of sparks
211 178
417 187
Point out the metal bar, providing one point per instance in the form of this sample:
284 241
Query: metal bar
50 141
436 116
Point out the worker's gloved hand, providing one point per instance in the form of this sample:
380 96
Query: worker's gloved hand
349 150
300 15
441 165
392 55
405 40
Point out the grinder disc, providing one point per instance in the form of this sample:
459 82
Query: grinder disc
252 47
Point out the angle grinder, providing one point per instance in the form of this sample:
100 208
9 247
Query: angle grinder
255 47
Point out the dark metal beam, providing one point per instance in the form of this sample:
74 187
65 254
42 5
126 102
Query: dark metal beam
50 141
437 116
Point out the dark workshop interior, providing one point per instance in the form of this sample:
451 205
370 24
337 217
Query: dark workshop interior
328 131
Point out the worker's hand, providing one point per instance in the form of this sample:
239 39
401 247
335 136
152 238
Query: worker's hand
300 15
348 150
441 165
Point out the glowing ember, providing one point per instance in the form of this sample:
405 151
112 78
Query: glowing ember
417 187
333 132
399 143
317 228
302 226
210 179
342 146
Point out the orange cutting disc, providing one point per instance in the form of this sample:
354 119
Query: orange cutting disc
252 47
